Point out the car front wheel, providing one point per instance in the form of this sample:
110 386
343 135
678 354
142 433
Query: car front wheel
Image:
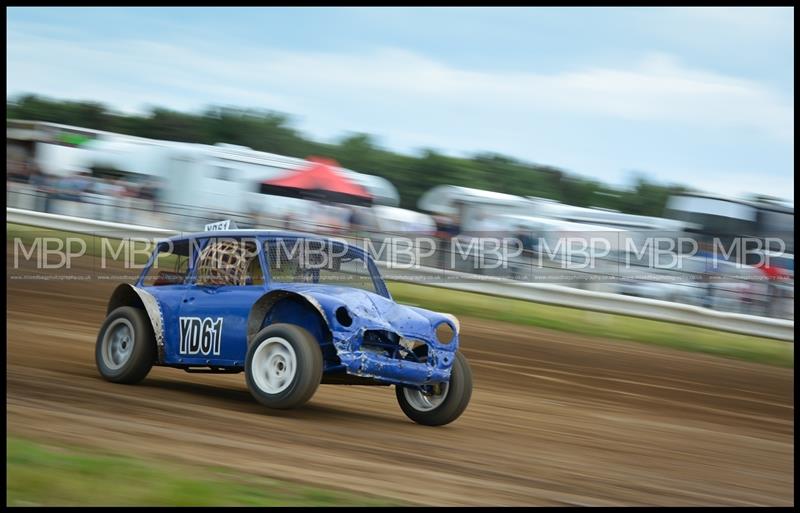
283 368
440 404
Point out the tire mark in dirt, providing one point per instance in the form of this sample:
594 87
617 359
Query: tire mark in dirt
555 418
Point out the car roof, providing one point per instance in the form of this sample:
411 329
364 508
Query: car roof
243 232
259 233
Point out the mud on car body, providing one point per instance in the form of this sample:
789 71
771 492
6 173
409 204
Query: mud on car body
289 310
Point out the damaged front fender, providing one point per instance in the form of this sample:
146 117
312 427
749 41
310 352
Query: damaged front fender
373 336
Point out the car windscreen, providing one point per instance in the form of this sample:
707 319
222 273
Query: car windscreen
298 260
169 265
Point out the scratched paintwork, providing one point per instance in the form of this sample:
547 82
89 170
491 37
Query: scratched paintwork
371 311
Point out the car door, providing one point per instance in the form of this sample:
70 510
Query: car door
166 278
212 325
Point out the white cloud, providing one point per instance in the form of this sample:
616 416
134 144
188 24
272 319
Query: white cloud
752 20
409 99
132 73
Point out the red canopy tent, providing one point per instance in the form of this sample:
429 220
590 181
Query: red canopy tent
320 181
772 272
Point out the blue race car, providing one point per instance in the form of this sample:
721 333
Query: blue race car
291 311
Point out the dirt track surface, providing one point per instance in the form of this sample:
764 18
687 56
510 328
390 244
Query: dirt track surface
555 418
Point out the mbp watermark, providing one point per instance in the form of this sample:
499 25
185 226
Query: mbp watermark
528 255
43 250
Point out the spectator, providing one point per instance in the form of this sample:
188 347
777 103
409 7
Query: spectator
526 238
288 220
149 194
446 229
17 171
355 224
123 192
708 289
42 190
774 276
17 182
110 201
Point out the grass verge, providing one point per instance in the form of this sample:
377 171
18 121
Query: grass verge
678 336
47 474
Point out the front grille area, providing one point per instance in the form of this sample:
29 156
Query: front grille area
391 345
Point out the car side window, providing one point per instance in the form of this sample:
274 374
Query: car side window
229 261
315 261
285 259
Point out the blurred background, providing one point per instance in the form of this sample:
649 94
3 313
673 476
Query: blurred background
532 124
199 172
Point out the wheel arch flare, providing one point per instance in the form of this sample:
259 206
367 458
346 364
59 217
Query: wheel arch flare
130 295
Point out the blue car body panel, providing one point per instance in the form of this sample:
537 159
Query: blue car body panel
231 304
211 326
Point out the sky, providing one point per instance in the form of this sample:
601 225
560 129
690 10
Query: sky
695 96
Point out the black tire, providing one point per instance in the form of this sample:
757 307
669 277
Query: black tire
307 367
455 402
138 359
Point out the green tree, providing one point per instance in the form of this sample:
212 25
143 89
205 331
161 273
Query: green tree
413 175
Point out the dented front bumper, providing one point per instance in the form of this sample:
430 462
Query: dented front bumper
371 365
359 360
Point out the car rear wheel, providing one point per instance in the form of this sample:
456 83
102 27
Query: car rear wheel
437 405
283 368
125 350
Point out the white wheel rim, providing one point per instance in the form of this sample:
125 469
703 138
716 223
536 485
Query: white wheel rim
118 343
274 365
421 401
